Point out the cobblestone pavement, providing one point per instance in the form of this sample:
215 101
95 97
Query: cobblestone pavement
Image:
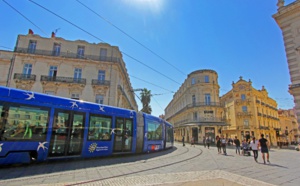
180 166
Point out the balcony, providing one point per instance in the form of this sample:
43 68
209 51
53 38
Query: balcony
100 82
24 77
244 114
205 104
59 79
203 121
242 101
66 55
264 128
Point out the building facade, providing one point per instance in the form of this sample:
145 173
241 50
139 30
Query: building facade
5 61
250 112
73 69
289 132
195 110
288 19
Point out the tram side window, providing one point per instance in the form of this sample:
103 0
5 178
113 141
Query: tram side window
100 128
169 134
3 121
154 130
23 123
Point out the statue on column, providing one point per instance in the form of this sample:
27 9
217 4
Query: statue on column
280 4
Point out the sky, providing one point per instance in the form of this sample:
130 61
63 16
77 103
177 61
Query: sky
162 41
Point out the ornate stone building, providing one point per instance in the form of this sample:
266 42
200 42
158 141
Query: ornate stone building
74 69
288 19
195 110
5 60
250 112
288 125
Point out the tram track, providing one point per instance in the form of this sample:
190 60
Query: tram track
149 169
137 163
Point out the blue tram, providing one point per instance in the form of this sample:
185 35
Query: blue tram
39 127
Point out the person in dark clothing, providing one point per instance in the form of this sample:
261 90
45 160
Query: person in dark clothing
207 142
264 148
237 143
183 141
218 144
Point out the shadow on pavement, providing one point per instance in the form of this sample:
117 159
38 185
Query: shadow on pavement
56 166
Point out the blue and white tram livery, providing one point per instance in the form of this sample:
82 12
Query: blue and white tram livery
39 127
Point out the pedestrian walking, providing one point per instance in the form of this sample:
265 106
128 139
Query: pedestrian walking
237 143
193 141
207 141
204 143
264 148
218 140
254 147
223 144
183 141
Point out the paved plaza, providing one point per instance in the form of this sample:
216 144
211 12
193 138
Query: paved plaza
180 166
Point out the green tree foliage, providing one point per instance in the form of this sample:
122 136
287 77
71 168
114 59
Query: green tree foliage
146 99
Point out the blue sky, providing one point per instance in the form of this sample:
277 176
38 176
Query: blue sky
235 38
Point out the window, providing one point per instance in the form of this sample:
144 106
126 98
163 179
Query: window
23 122
103 54
154 130
52 71
193 81
50 92
99 128
243 97
27 71
194 99
207 99
206 79
101 75
99 99
75 96
246 123
77 73
244 108
56 49
31 47
195 116
80 52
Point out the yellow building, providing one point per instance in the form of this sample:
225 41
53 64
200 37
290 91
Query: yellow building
195 110
74 69
288 125
250 112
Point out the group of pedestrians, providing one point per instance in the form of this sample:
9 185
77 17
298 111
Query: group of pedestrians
254 145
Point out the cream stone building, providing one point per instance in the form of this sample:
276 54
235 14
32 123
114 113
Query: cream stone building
73 69
289 127
288 19
5 61
195 110
250 112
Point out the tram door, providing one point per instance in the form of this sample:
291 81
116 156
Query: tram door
67 133
123 135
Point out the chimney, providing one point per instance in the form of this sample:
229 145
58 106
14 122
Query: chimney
53 35
30 31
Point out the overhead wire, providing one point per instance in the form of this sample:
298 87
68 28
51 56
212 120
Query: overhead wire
101 40
24 16
147 48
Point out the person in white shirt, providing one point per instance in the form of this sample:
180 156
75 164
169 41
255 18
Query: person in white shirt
254 147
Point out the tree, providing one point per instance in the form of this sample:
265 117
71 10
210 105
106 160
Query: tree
146 99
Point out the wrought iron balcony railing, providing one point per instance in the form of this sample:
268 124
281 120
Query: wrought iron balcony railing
64 79
66 54
30 77
100 82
